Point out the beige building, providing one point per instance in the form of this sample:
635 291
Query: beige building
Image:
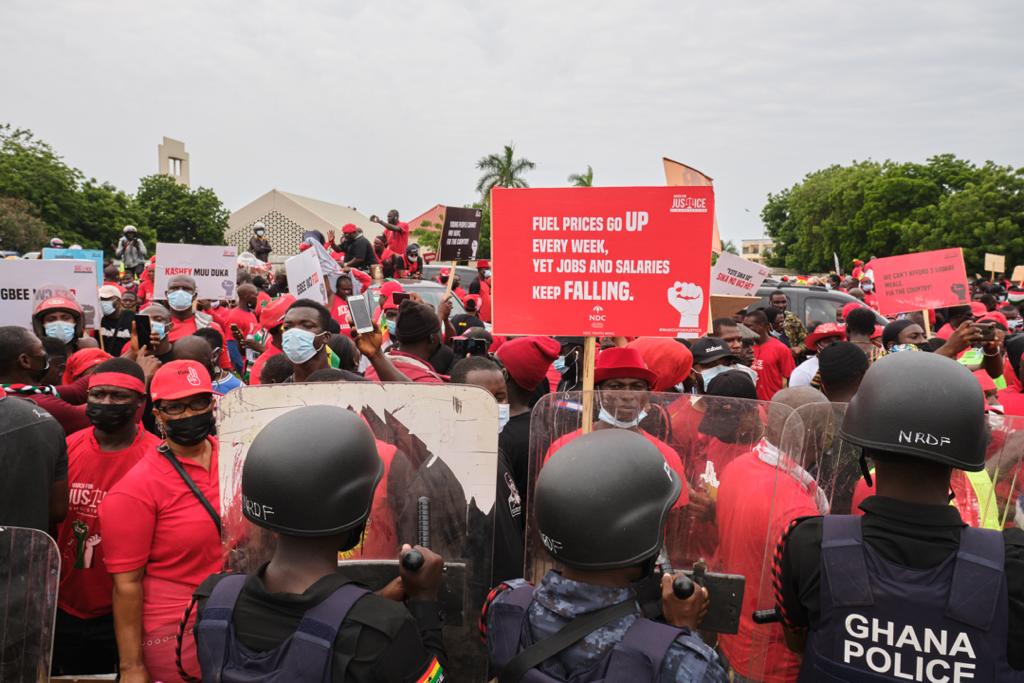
172 160
287 216
756 250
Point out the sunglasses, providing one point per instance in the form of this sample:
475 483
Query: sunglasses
197 403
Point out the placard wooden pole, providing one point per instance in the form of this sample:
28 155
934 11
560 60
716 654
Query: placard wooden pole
927 324
589 357
451 281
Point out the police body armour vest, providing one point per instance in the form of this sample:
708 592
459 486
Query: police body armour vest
881 621
636 658
306 655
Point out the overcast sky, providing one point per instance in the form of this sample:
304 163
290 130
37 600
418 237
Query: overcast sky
389 104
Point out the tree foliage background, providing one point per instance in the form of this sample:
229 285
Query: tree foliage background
41 197
887 208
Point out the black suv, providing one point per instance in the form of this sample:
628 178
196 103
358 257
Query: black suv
813 305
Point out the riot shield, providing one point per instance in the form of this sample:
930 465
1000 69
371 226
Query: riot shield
29 576
704 439
439 447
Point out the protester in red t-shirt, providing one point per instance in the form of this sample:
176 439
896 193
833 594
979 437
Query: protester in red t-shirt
397 232
98 457
160 538
773 361
271 317
181 294
760 493
482 286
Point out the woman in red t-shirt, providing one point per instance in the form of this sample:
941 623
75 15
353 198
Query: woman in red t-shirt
161 538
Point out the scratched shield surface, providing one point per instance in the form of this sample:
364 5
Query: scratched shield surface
437 442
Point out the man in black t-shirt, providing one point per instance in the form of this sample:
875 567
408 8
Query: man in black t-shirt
116 324
358 252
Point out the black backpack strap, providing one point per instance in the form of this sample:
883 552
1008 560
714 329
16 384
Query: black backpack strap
977 585
843 562
640 654
568 635
215 623
176 464
311 652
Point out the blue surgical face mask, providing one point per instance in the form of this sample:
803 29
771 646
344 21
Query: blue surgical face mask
503 416
108 307
392 325
179 299
711 373
560 364
60 329
608 418
298 345
487 274
158 328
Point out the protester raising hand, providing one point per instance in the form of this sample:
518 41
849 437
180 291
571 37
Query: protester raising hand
370 345
962 338
148 362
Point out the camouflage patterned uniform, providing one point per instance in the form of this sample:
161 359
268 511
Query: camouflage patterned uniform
793 329
558 600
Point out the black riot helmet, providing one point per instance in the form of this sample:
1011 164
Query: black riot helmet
602 500
922 405
311 472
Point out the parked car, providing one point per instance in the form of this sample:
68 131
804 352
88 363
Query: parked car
813 305
430 292
467 275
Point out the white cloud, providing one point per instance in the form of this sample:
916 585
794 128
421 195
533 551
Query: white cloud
388 103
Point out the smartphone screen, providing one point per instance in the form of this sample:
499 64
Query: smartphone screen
143 330
399 297
360 313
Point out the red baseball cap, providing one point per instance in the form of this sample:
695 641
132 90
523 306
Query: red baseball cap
348 228
527 359
483 263
995 317
978 309
273 313
390 287
178 379
853 305
616 362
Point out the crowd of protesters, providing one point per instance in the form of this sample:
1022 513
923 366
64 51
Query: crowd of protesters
120 424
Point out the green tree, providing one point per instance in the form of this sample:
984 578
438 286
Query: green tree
887 208
20 228
502 170
175 213
31 170
728 246
582 179
104 210
428 234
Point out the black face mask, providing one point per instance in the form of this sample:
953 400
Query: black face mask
38 375
109 417
188 431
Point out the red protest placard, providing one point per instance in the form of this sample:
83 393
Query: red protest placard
928 279
596 261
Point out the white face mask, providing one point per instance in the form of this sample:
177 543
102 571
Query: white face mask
503 416
608 418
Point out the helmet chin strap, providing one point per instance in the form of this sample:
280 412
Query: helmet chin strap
864 470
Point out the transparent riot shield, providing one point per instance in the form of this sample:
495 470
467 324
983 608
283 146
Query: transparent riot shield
29 575
439 447
706 440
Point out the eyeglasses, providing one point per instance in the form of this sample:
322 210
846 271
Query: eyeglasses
197 403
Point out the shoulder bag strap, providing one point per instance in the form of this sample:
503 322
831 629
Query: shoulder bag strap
575 630
176 464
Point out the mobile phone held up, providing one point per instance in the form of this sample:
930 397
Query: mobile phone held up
143 330
467 346
360 313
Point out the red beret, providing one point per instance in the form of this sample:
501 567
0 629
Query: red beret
483 263
978 309
670 360
348 228
527 359
852 306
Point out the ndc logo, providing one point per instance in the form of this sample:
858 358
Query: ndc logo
682 203
597 318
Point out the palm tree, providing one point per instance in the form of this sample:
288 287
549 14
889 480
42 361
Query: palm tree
582 179
502 170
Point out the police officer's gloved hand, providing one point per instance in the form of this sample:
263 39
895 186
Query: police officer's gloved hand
686 613
425 582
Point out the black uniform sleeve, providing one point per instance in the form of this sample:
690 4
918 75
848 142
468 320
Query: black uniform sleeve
415 648
1014 562
796 573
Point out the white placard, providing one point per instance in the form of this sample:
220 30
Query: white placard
214 268
733 275
24 283
305 277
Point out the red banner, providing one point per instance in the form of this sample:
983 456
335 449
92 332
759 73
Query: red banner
602 261
928 279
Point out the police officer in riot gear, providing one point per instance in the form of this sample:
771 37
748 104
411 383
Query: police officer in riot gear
310 477
908 591
601 504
